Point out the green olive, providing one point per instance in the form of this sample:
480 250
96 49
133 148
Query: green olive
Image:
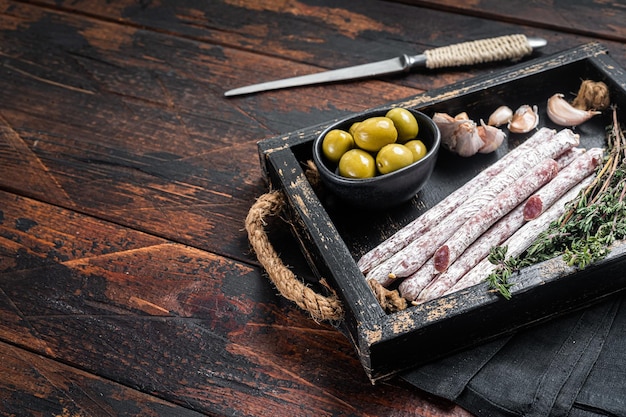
392 157
405 123
336 143
374 133
352 127
356 163
418 148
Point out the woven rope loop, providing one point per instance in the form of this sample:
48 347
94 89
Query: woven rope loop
320 307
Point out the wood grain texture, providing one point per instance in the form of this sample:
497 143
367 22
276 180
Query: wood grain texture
35 385
127 285
596 18
178 323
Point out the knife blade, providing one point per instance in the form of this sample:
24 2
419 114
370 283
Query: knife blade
466 53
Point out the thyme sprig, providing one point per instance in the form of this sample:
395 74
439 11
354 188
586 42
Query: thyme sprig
591 223
499 280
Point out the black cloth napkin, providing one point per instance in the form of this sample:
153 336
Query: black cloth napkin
573 366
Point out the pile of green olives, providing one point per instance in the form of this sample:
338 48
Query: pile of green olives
375 146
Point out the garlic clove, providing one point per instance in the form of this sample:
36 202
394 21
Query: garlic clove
524 119
491 136
462 116
564 114
446 125
467 142
502 115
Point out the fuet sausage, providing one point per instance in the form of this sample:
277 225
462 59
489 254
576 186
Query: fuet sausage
478 251
423 223
475 227
504 202
408 260
580 166
523 238
572 174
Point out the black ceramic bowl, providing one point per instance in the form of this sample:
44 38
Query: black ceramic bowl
382 191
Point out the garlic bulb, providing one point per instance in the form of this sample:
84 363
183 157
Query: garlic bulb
502 115
592 95
564 114
491 136
524 119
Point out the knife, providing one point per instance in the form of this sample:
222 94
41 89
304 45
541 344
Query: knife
500 48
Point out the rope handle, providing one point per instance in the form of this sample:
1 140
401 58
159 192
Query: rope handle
320 307
288 285
480 51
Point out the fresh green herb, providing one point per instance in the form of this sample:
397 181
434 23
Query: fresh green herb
590 224
499 280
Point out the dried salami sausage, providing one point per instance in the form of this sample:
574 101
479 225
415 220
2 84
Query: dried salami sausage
504 202
571 175
522 239
408 260
423 223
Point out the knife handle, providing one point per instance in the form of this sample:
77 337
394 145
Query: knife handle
500 48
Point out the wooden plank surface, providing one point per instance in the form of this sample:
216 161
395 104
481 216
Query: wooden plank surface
127 285
599 19
35 385
172 321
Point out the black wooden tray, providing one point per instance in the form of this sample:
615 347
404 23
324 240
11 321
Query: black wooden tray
333 237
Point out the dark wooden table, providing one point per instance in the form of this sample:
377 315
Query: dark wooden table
127 284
